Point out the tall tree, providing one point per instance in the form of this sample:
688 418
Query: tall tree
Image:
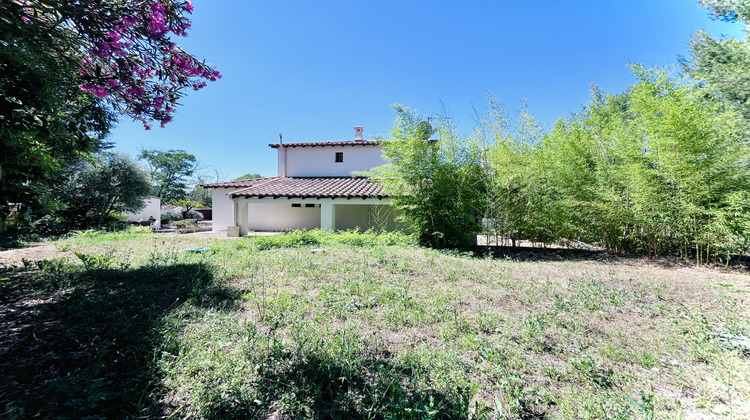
436 185
95 190
724 63
171 172
65 64
659 170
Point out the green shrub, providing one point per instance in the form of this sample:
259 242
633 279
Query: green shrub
194 215
290 239
296 238
167 217
184 224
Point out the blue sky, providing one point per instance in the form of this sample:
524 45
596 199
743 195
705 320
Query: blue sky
314 70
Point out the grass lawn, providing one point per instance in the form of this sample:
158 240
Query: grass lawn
350 326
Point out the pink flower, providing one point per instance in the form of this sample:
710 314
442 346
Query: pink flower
128 20
98 91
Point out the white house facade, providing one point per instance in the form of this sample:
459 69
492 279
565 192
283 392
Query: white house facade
151 209
317 186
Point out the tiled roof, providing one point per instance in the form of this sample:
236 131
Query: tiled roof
243 183
326 143
303 187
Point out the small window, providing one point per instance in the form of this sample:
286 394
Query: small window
296 205
339 157
309 205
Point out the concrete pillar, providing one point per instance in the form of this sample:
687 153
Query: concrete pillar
243 218
327 216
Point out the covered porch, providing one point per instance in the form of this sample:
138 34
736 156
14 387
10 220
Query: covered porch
281 214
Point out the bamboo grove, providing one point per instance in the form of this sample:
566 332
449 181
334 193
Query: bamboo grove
661 169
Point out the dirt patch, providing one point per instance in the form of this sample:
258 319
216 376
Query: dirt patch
32 252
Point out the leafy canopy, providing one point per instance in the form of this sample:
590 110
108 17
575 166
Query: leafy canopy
110 183
170 171
434 184
66 65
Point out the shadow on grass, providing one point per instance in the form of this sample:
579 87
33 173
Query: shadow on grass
316 386
77 343
541 254
529 254
17 240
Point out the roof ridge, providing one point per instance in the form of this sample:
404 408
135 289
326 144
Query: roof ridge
325 143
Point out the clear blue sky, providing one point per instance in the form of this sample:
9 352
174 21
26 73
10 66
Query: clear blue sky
314 70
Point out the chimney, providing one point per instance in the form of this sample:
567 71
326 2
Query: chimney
358 133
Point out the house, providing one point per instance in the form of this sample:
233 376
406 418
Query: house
151 208
317 186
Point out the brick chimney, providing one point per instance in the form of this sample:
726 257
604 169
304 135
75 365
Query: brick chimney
358 133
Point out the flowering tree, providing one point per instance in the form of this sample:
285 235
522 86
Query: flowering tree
122 49
65 65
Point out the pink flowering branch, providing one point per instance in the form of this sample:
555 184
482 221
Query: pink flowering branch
126 54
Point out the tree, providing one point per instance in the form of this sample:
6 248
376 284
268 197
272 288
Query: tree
120 50
724 63
248 176
46 121
64 65
95 190
507 143
659 170
437 185
171 171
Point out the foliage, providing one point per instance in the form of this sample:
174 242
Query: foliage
188 205
658 170
506 143
94 190
248 176
46 121
169 216
193 215
199 196
724 63
184 224
170 171
437 185
62 62
121 51
298 238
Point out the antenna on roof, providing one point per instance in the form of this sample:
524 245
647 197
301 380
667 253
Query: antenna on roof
281 139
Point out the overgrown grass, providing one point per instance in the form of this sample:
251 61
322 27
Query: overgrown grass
297 238
350 325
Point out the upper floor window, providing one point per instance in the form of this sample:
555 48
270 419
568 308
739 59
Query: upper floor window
339 157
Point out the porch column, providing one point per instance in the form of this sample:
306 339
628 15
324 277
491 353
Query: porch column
243 213
327 216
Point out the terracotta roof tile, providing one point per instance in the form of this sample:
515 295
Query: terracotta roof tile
303 187
326 143
243 183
